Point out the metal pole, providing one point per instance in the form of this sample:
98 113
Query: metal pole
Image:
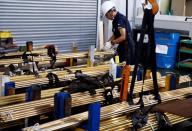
98 21
134 12
127 9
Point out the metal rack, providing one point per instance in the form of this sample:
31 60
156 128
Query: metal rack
185 50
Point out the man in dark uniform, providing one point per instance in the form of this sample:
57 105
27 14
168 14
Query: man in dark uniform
121 32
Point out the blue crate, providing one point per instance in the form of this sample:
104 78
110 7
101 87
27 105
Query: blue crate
9 85
165 61
171 40
167 38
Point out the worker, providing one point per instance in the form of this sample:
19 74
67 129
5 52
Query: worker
122 35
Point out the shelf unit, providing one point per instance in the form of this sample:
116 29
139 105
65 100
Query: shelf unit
185 54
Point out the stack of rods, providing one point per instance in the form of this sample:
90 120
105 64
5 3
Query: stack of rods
114 112
27 83
59 57
83 68
43 74
12 124
122 123
23 82
38 52
9 100
43 106
39 107
62 73
6 100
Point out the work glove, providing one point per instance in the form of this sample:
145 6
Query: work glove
109 47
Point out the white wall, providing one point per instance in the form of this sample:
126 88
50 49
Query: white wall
131 11
161 21
166 21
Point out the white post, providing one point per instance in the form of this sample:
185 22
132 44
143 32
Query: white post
3 80
113 68
91 55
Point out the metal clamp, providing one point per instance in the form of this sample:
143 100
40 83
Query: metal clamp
6 116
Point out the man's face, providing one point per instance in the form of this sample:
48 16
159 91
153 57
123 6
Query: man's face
110 15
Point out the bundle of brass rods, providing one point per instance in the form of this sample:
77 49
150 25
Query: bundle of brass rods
62 76
47 104
60 72
122 123
13 99
46 58
111 111
38 52
50 103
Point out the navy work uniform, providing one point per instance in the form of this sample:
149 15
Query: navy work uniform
120 21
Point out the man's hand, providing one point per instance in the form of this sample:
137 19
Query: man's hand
113 42
107 46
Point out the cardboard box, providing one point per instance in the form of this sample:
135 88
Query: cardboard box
178 7
188 8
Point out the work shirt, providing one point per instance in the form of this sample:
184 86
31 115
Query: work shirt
120 21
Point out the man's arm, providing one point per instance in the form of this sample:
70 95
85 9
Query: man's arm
112 38
121 38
